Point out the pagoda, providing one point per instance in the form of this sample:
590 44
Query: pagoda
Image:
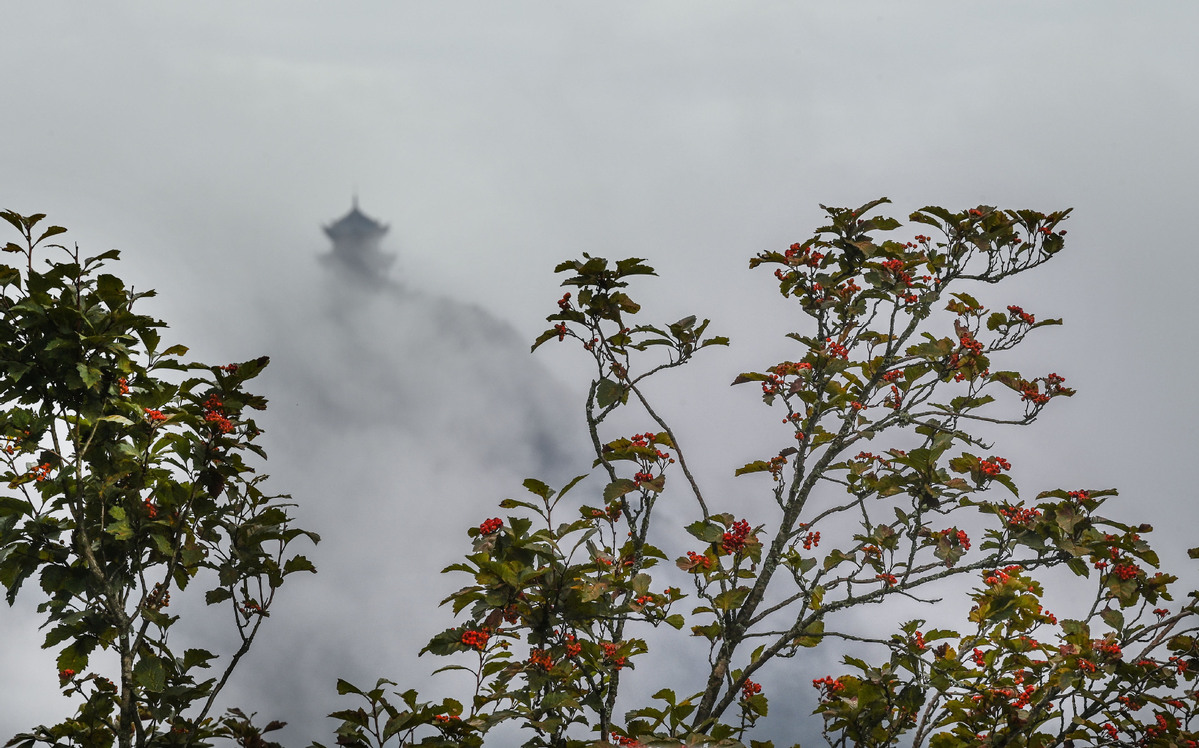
356 238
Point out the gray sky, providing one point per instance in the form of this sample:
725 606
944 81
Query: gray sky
210 141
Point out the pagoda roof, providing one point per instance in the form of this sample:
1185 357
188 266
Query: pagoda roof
355 224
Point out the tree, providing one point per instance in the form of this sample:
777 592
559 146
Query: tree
127 482
897 362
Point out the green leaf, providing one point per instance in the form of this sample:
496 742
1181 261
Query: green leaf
298 563
197 658
52 231
730 599
707 532
1113 618
74 656
618 488
608 392
757 466
812 634
537 487
150 674
91 376
220 594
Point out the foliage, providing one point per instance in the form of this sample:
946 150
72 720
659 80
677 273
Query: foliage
127 483
897 362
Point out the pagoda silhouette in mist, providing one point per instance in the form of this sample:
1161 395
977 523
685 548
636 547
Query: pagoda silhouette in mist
356 238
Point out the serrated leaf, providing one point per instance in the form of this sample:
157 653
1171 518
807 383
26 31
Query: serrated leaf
608 393
618 488
150 674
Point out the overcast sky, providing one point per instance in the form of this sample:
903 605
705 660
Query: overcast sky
210 141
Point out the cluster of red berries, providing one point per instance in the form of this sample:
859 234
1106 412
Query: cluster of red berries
898 269
642 477
811 541
790 368
734 540
830 685
539 658
994 466
969 344
1018 516
231 368
699 561
798 255
154 416
979 657
646 440
444 718
918 641
1019 314
835 349
772 385
564 302
1126 571
1079 496
66 674
1024 697
890 579
41 472
159 597
123 386
848 288
1031 391
1001 576
490 525
151 508
895 399
214 413
893 375
1086 665
1132 704
776 463
1163 724
561 328
627 742
610 655
750 689
1108 648
476 638
573 648
963 540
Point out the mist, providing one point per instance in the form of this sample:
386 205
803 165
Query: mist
213 144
